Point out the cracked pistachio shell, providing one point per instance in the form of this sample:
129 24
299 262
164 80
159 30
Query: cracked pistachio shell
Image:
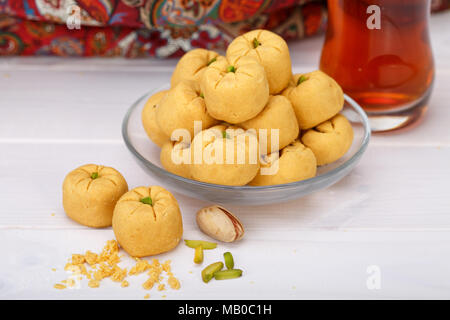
220 224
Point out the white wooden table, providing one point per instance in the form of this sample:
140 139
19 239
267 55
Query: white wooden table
392 211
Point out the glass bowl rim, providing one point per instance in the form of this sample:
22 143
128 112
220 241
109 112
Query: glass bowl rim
316 179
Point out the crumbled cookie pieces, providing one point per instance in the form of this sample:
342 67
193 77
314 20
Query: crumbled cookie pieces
96 267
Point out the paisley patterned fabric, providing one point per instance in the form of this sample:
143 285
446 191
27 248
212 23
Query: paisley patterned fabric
140 28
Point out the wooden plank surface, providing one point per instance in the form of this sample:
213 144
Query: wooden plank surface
392 211
305 265
373 196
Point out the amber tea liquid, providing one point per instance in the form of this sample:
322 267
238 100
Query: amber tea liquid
379 51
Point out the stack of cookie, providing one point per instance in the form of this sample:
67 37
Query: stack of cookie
244 118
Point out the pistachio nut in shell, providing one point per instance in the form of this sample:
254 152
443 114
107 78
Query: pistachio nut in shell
220 224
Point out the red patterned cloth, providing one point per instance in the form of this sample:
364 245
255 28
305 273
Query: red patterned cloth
140 28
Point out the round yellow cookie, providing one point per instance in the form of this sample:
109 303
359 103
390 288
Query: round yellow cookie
278 114
175 157
315 96
235 91
270 50
147 221
149 119
225 155
192 65
329 140
293 163
181 107
90 193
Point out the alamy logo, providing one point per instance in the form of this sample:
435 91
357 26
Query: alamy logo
374 20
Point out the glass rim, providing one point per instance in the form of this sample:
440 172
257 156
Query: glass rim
220 187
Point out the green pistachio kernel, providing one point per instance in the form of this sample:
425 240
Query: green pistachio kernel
202 96
147 200
94 175
231 69
209 271
225 135
228 274
301 79
198 256
229 261
256 43
196 243
211 61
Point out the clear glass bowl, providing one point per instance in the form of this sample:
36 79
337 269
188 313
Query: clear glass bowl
147 155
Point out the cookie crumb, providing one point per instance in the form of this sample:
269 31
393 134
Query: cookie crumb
59 286
77 259
119 274
70 283
139 267
147 296
147 285
174 283
91 258
166 266
105 265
